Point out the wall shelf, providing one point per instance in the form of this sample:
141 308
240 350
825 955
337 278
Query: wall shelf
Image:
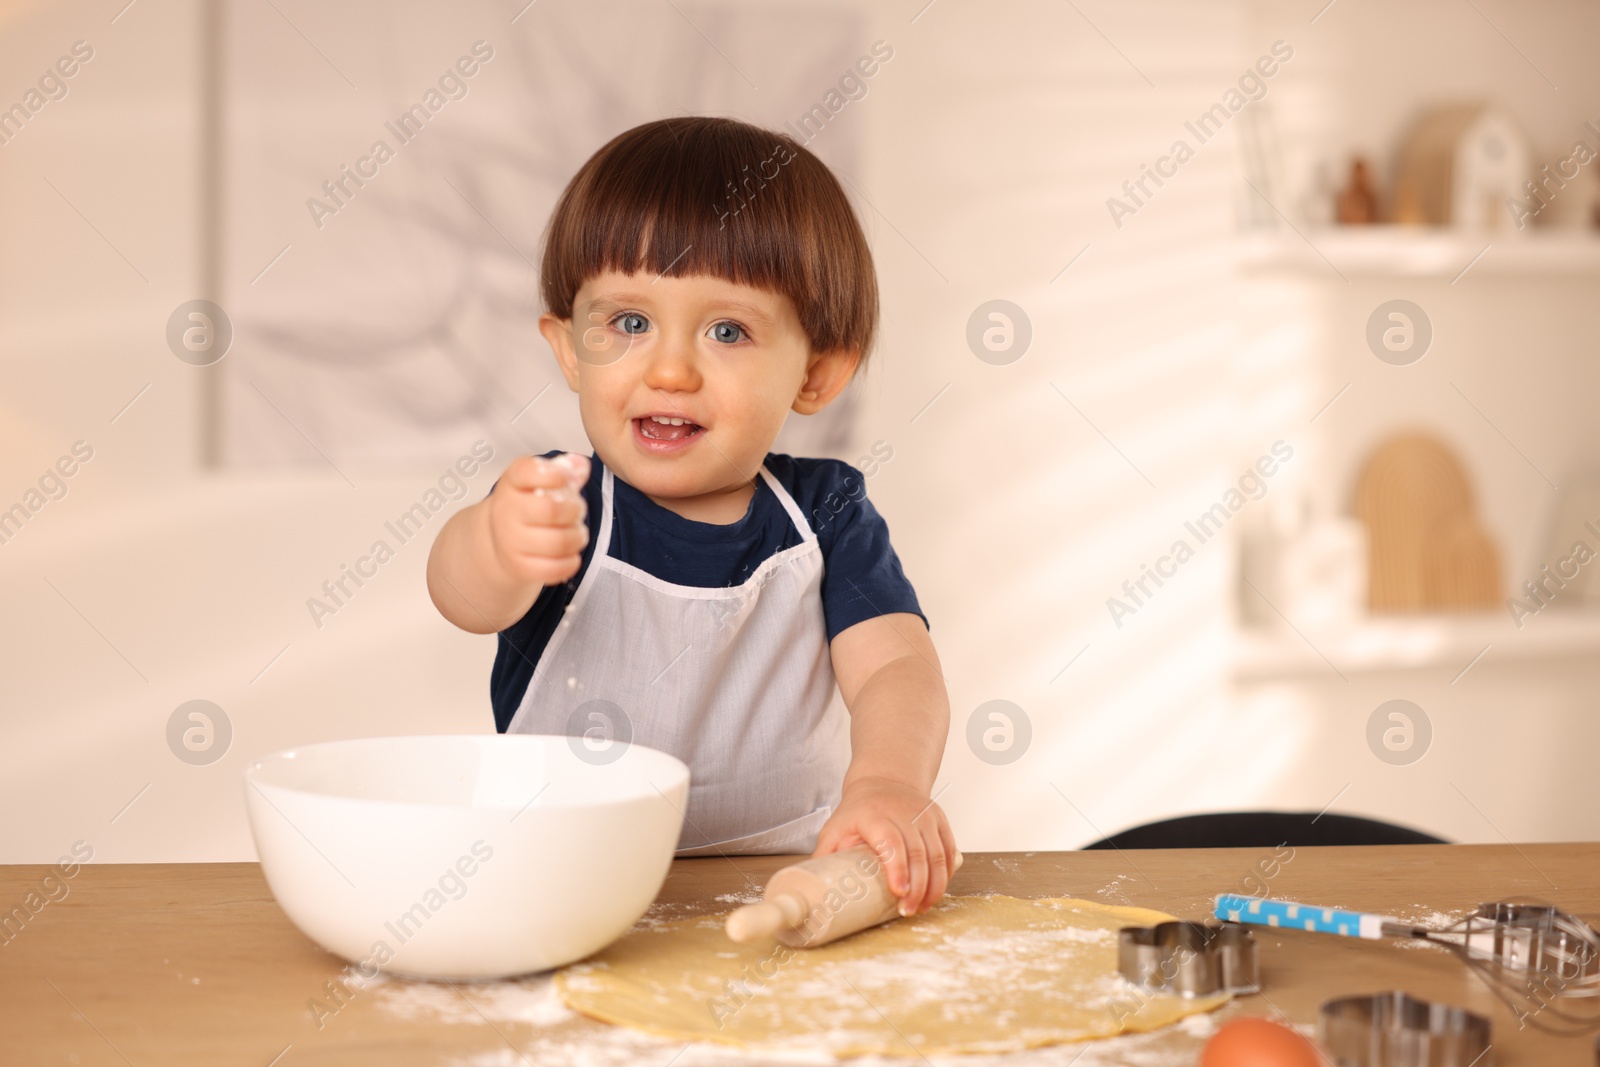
1414 643
1418 252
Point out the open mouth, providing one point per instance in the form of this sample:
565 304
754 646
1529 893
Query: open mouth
667 428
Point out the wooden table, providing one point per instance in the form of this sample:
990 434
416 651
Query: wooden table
195 964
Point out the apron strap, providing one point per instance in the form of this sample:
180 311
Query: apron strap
801 524
602 537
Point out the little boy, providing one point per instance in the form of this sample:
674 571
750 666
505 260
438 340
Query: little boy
703 278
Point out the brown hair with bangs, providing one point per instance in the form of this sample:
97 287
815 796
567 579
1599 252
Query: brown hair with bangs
697 195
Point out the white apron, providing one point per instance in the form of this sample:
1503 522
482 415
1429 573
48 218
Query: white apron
735 681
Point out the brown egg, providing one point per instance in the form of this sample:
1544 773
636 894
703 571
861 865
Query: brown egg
1254 1041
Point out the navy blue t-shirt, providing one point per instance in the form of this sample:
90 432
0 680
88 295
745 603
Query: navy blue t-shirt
861 576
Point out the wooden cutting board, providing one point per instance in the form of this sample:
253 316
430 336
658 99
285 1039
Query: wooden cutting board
1426 548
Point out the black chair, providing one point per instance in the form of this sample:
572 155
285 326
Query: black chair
1264 829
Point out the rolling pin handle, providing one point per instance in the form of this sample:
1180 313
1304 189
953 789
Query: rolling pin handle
755 922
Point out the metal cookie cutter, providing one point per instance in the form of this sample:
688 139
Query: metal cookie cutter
1187 958
1395 1029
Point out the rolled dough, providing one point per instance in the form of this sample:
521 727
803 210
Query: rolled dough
975 974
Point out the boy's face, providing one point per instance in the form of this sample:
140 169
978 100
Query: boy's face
729 360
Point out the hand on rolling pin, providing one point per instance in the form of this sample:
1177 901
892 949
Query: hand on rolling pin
907 830
536 515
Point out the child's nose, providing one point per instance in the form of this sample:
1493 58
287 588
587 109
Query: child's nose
673 366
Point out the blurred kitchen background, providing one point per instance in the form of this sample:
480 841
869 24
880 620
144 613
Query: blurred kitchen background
1415 335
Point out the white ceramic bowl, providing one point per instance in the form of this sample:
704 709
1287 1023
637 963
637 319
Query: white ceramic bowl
465 857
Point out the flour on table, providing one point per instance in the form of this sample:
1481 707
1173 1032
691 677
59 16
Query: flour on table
524 1000
660 914
749 896
1423 915
1114 890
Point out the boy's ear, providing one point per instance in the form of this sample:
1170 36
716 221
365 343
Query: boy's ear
558 332
827 373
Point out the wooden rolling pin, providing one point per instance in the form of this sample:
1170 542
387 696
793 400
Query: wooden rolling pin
821 900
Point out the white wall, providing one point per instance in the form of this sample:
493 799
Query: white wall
80 328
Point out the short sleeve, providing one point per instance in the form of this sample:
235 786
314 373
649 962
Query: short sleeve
862 577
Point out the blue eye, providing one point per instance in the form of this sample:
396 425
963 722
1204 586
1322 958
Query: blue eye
728 332
631 322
